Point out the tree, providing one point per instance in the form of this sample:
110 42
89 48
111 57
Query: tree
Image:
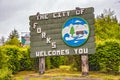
107 26
2 40
14 34
13 41
13 38
72 31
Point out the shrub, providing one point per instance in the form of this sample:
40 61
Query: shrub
54 61
93 62
108 56
25 61
15 58
6 74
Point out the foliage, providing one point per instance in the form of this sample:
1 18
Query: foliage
76 64
26 62
54 62
48 62
13 38
13 41
14 34
15 59
5 74
93 64
64 67
3 58
107 26
108 56
107 30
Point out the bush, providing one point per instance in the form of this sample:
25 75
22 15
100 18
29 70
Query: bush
26 62
76 65
108 56
15 58
6 74
54 61
93 63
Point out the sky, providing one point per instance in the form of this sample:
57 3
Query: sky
14 14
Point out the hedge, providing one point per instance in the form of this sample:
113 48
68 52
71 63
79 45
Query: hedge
107 57
15 59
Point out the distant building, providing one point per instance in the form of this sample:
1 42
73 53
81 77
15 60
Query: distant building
25 38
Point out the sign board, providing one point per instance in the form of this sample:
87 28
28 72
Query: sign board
62 33
25 38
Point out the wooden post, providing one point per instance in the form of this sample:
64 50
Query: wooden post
42 65
85 67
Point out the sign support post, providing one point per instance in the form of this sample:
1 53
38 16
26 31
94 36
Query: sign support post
41 65
85 67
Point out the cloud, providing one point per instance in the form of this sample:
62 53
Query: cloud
77 21
15 13
69 38
9 8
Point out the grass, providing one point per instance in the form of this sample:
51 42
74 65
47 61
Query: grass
46 79
55 74
21 75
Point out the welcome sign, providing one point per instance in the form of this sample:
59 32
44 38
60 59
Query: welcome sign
62 33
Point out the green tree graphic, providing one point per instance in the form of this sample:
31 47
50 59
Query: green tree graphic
72 31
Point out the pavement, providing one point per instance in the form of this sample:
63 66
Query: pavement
61 77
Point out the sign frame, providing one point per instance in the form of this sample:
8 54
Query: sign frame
45 40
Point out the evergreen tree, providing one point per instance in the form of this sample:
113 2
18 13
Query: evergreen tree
14 34
72 31
13 38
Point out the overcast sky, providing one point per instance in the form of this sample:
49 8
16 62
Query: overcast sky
15 13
